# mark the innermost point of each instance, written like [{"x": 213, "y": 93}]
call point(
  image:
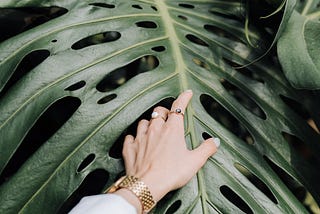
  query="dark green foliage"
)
[{"x": 98, "y": 67}]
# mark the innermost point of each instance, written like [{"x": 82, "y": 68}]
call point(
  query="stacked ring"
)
[
  {"x": 155, "y": 115},
  {"x": 177, "y": 111}
]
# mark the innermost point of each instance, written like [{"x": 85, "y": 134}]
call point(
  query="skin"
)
[{"x": 159, "y": 143}]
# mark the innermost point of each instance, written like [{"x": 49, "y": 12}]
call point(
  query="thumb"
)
[{"x": 205, "y": 150}]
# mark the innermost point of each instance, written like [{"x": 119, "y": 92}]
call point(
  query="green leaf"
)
[
  {"x": 112, "y": 61},
  {"x": 299, "y": 49}
]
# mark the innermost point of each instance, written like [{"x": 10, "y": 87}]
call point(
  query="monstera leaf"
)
[
  {"x": 299, "y": 46},
  {"x": 103, "y": 65}
]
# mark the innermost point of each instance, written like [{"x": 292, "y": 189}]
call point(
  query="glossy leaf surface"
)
[{"x": 111, "y": 61}]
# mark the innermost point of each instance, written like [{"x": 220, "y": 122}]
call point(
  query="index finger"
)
[{"x": 180, "y": 104}]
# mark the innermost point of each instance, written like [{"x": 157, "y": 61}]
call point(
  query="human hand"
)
[{"x": 159, "y": 156}]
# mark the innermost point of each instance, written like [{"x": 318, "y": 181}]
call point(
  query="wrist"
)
[
  {"x": 157, "y": 187},
  {"x": 134, "y": 190}
]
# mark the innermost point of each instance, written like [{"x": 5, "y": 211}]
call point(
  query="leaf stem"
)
[
  {"x": 203, "y": 193},
  {"x": 307, "y": 7},
  {"x": 314, "y": 15},
  {"x": 246, "y": 26},
  {"x": 283, "y": 3}
]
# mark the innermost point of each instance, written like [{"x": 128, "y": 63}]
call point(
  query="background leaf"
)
[
  {"x": 109, "y": 63},
  {"x": 298, "y": 47}
]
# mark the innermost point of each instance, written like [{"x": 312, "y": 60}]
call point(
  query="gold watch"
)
[{"x": 138, "y": 188}]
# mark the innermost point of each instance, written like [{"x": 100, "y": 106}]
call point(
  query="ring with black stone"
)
[{"x": 177, "y": 111}]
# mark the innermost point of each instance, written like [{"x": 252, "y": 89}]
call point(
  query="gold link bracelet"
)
[{"x": 138, "y": 188}]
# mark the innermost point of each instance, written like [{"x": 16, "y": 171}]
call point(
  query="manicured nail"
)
[
  {"x": 188, "y": 91},
  {"x": 216, "y": 141}
]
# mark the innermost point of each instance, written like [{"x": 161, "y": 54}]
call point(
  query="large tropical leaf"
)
[
  {"x": 299, "y": 46},
  {"x": 105, "y": 63}
]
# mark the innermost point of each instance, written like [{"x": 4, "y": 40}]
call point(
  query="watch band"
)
[{"x": 138, "y": 188}]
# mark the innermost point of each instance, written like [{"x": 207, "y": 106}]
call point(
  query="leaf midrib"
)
[{"x": 181, "y": 69}]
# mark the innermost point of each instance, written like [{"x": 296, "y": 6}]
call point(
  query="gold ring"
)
[
  {"x": 156, "y": 115},
  {"x": 177, "y": 111}
]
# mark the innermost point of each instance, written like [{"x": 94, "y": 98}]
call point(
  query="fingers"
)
[
  {"x": 141, "y": 137},
  {"x": 204, "y": 151},
  {"x": 129, "y": 153},
  {"x": 159, "y": 120},
  {"x": 180, "y": 103},
  {"x": 142, "y": 128}
]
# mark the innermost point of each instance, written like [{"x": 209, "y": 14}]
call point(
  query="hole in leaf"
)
[
  {"x": 220, "y": 32},
  {"x": 29, "y": 62},
  {"x": 154, "y": 8},
  {"x": 219, "y": 113},
  {"x": 169, "y": 196},
  {"x": 93, "y": 184},
  {"x": 196, "y": 40},
  {"x": 301, "y": 110},
  {"x": 54, "y": 41},
  {"x": 116, "y": 149},
  {"x": 256, "y": 182},
  {"x": 107, "y": 99},
  {"x": 244, "y": 99},
  {"x": 206, "y": 136},
  {"x": 244, "y": 71},
  {"x": 159, "y": 48},
  {"x": 294, "y": 186},
  {"x": 121, "y": 75},
  {"x": 76, "y": 86},
  {"x": 299, "y": 146},
  {"x": 86, "y": 162},
  {"x": 235, "y": 199},
  {"x": 17, "y": 20},
  {"x": 147, "y": 24},
  {"x": 119, "y": 175},
  {"x": 110, "y": 6},
  {"x": 137, "y": 6},
  {"x": 100, "y": 38},
  {"x": 296, "y": 107},
  {"x": 49, "y": 122},
  {"x": 183, "y": 17},
  {"x": 201, "y": 63},
  {"x": 234, "y": 15},
  {"x": 190, "y": 6},
  {"x": 173, "y": 207}
]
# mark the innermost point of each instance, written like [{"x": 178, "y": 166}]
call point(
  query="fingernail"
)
[
  {"x": 188, "y": 91},
  {"x": 216, "y": 141}
]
